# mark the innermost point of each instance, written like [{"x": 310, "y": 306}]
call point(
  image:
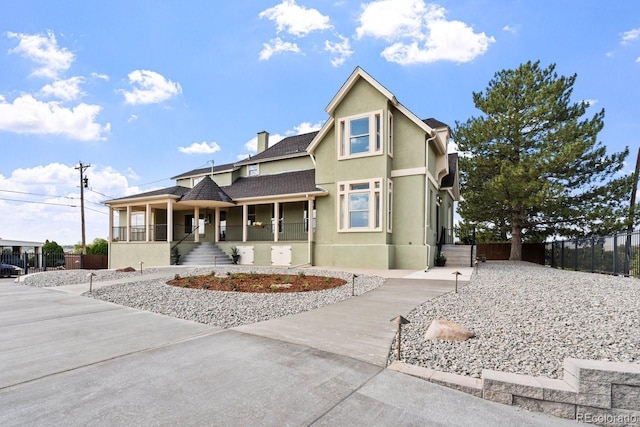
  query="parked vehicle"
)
[{"x": 8, "y": 270}]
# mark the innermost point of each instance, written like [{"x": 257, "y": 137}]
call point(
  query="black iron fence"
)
[
  {"x": 617, "y": 254},
  {"x": 31, "y": 262}
]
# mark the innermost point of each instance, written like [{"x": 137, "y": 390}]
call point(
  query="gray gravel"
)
[
  {"x": 53, "y": 278},
  {"x": 527, "y": 320},
  {"x": 217, "y": 308}
]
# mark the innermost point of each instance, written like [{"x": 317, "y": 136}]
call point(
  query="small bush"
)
[{"x": 176, "y": 277}]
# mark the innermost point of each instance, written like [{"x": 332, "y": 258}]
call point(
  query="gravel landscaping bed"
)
[
  {"x": 527, "y": 320},
  {"x": 53, "y": 278},
  {"x": 217, "y": 308}
]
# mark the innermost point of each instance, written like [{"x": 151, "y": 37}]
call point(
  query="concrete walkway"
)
[{"x": 69, "y": 360}]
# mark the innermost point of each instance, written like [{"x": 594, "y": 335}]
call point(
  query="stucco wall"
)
[{"x": 130, "y": 254}]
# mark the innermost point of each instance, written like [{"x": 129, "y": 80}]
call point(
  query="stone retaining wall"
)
[{"x": 595, "y": 392}]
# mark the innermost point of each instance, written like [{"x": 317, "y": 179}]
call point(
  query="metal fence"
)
[
  {"x": 31, "y": 262},
  {"x": 617, "y": 254}
]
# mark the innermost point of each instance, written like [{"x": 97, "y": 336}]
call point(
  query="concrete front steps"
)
[
  {"x": 458, "y": 255},
  {"x": 206, "y": 253}
]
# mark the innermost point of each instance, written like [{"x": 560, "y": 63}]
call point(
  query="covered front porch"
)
[{"x": 156, "y": 232}]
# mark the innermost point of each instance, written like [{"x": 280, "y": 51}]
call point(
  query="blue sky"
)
[{"x": 145, "y": 90}]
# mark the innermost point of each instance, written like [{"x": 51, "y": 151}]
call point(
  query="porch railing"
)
[
  {"x": 138, "y": 233},
  {"x": 264, "y": 233}
]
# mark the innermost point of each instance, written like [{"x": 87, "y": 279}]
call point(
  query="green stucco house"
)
[{"x": 373, "y": 188}]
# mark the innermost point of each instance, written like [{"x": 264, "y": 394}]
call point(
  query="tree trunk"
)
[{"x": 516, "y": 236}]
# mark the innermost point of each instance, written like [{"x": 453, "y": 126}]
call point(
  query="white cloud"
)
[
  {"x": 200, "y": 148},
  {"x": 100, "y": 76},
  {"x": 341, "y": 50},
  {"x": 150, "y": 87},
  {"x": 302, "y": 128},
  {"x": 54, "y": 195},
  {"x": 132, "y": 118},
  {"x": 66, "y": 90},
  {"x": 629, "y": 36},
  {"x": 277, "y": 46},
  {"x": 296, "y": 20},
  {"x": 510, "y": 29},
  {"x": 305, "y": 127},
  {"x": 44, "y": 51},
  {"x": 591, "y": 102},
  {"x": 419, "y": 33},
  {"x": 27, "y": 115}
]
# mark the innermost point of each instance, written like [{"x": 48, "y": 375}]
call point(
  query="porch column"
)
[
  {"x": 245, "y": 218},
  {"x": 309, "y": 228},
  {"x": 110, "y": 224},
  {"x": 169, "y": 221},
  {"x": 147, "y": 222},
  {"x": 217, "y": 225},
  {"x": 276, "y": 227},
  {"x": 128, "y": 230},
  {"x": 196, "y": 218}
]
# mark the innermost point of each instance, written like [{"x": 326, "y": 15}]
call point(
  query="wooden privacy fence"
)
[{"x": 531, "y": 252}]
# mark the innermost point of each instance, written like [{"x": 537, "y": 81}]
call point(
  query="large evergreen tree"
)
[{"x": 533, "y": 163}]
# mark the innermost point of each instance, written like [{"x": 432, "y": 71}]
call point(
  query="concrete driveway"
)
[{"x": 70, "y": 360}]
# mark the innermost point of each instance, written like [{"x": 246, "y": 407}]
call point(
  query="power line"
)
[
  {"x": 49, "y": 195},
  {"x": 51, "y": 204},
  {"x": 40, "y": 203}
]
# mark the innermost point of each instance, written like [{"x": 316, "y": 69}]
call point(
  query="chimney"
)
[{"x": 263, "y": 141}]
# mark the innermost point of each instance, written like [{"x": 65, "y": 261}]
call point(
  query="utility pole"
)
[{"x": 84, "y": 183}]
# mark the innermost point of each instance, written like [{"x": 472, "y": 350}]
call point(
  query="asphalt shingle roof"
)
[
  {"x": 169, "y": 191},
  {"x": 289, "y": 146},
  {"x": 201, "y": 171},
  {"x": 270, "y": 185},
  {"x": 449, "y": 180},
  {"x": 206, "y": 190},
  {"x": 435, "y": 123}
]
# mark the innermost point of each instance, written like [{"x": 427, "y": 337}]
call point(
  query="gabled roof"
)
[
  {"x": 357, "y": 74},
  {"x": 287, "y": 183},
  {"x": 205, "y": 191},
  {"x": 201, "y": 171},
  {"x": 291, "y": 146}
]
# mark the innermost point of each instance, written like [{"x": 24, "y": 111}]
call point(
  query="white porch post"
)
[
  {"x": 245, "y": 218},
  {"x": 196, "y": 218},
  {"x": 169, "y": 221},
  {"x": 147, "y": 222},
  {"x": 128, "y": 230},
  {"x": 309, "y": 228},
  {"x": 110, "y": 224},
  {"x": 217, "y": 225},
  {"x": 276, "y": 221}
]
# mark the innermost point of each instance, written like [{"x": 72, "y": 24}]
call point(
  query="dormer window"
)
[
  {"x": 360, "y": 135},
  {"x": 252, "y": 170}
]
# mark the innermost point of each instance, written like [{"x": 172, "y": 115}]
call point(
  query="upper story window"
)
[
  {"x": 360, "y": 135},
  {"x": 252, "y": 170},
  {"x": 196, "y": 181},
  {"x": 390, "y": 135}
]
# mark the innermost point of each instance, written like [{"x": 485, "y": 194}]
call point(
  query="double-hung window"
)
[
  {"x": 360, "y": 205},
  {"x": 360, "y": 135}
]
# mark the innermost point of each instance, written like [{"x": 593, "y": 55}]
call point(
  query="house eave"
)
[{"x": 298, "y": 196}]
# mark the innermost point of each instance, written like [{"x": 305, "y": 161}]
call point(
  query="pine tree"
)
[{"x": 533, "y": 163}]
